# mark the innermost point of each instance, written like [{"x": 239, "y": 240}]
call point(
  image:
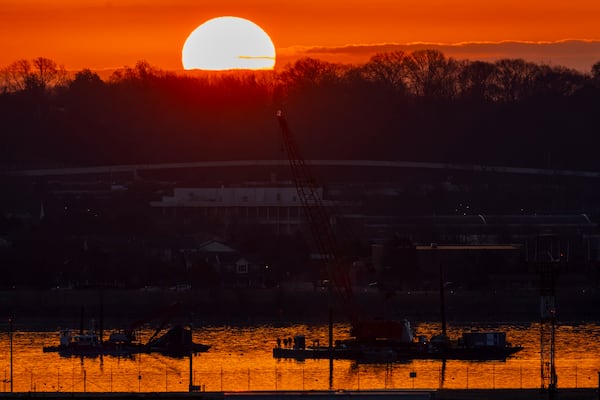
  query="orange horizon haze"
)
[{"x": 100, "y": 34}]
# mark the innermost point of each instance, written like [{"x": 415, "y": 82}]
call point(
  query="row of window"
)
[{"x": 244, "y": 212}]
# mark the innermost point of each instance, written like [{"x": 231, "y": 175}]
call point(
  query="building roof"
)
[
  {"x": 213, "y": 246},
  {"x": 569, "y": 220}
]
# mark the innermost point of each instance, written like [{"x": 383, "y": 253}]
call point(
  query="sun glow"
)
[{"x": 226, "y": 43}]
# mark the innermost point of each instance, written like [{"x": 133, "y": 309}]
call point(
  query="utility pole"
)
[
  {"x": 442, "y": 301},
  {"x": 551, "y": 253},
  {"x": 191, "y": 386},
  {"x": 10, "y": 335},
  {"x": 548, "y": 327}
]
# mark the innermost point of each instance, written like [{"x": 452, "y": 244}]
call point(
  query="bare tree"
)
[
  {"x": 596, "y": 73},
  {"x": 15, "y": 75},
  {"x": 86, "y": 77},
  {"x": 514, "y": 79},
  {"x": 142, "y": 71},
  {"x": 431, "y": 75},
  {"x": 310, "y": 71},
  {"x": 557, "y": 80},
  {"x": 476, "y": 79},
  {"x": 48, "y": 73},
  {"x": 39, "y": 73},
  {"x": 387, "y": 68}
]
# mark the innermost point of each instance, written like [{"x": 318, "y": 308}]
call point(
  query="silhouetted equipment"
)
[
  {"x": 176, "y": 341},
  {"x": 548, "y": 326},
  {"x": 442, "y": 300},
  {"x": 320, "y": 224},
  {"x": 166, "y": 313},
  {"x": 550, "y": 254}
]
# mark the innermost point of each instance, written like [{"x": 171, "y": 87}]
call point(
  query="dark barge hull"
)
[
  {"x": 125, "y": 350},
  {"x": 402, "y": 353}
]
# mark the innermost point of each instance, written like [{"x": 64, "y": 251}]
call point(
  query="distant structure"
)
[
  {"x": 275, "y": 206},
  {"x": 486, "y": 220},
  {"x": 548, "y": 329},
  {"x": 549, "y": 263}
]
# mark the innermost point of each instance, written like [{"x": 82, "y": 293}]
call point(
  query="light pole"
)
[
  {"x": 191, "y": 353},
  {"x": 192, "y": 387},
  {"x": 10, "y": 335}
]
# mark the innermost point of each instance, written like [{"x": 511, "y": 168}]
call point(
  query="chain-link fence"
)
[{"x": 298, "y": 376}]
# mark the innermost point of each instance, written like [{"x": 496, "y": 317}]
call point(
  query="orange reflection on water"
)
[{"x": 241, "y": 358}]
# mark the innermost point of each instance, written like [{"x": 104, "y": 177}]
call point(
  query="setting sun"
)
[{"x": 226, "y": 43}]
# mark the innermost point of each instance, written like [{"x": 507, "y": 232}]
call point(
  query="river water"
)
[{"x": 241, "y": 358}]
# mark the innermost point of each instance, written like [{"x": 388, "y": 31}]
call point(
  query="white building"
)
[{"x": 278, "y": 206}]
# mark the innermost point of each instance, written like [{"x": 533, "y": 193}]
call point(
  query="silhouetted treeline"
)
[{"x": 398, "y": 106}]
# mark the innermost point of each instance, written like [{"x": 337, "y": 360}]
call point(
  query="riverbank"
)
[
  {"x": 515, "y": 394},
  {"x": 492, "y": 394},
  {"x": 284, "y": 305}
]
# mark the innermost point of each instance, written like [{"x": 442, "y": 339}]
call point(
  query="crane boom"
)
[
  {"x": 320, "y": 224},
  {"x": 318, "y": 218},
  {"x": 167, "y": 313}
]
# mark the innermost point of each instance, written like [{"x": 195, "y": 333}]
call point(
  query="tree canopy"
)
[{"x": 398, "y": 106}]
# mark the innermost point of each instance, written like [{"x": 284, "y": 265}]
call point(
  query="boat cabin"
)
[{"x": 67, "y": 339}]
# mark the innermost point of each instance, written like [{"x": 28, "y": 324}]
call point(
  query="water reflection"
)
[{"x": 241, "y": 358}]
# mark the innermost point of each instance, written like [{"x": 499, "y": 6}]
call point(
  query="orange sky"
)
[{"x": 111, "y": 34}]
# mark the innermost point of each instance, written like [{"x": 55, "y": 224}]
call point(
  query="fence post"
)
[{"x": 521, "y": 376}]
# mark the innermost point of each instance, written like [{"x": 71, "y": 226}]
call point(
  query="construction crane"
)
[
  {"x": 167, "y": 315},
  {"x": 320, "y": 223}
]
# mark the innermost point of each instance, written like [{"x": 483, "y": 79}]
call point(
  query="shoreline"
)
[
  {"x": 437, "y": 394},
  {"x": 283, "y": 306}
]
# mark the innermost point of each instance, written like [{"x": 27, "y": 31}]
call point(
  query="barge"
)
[{"x": 477, "y": 346}]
